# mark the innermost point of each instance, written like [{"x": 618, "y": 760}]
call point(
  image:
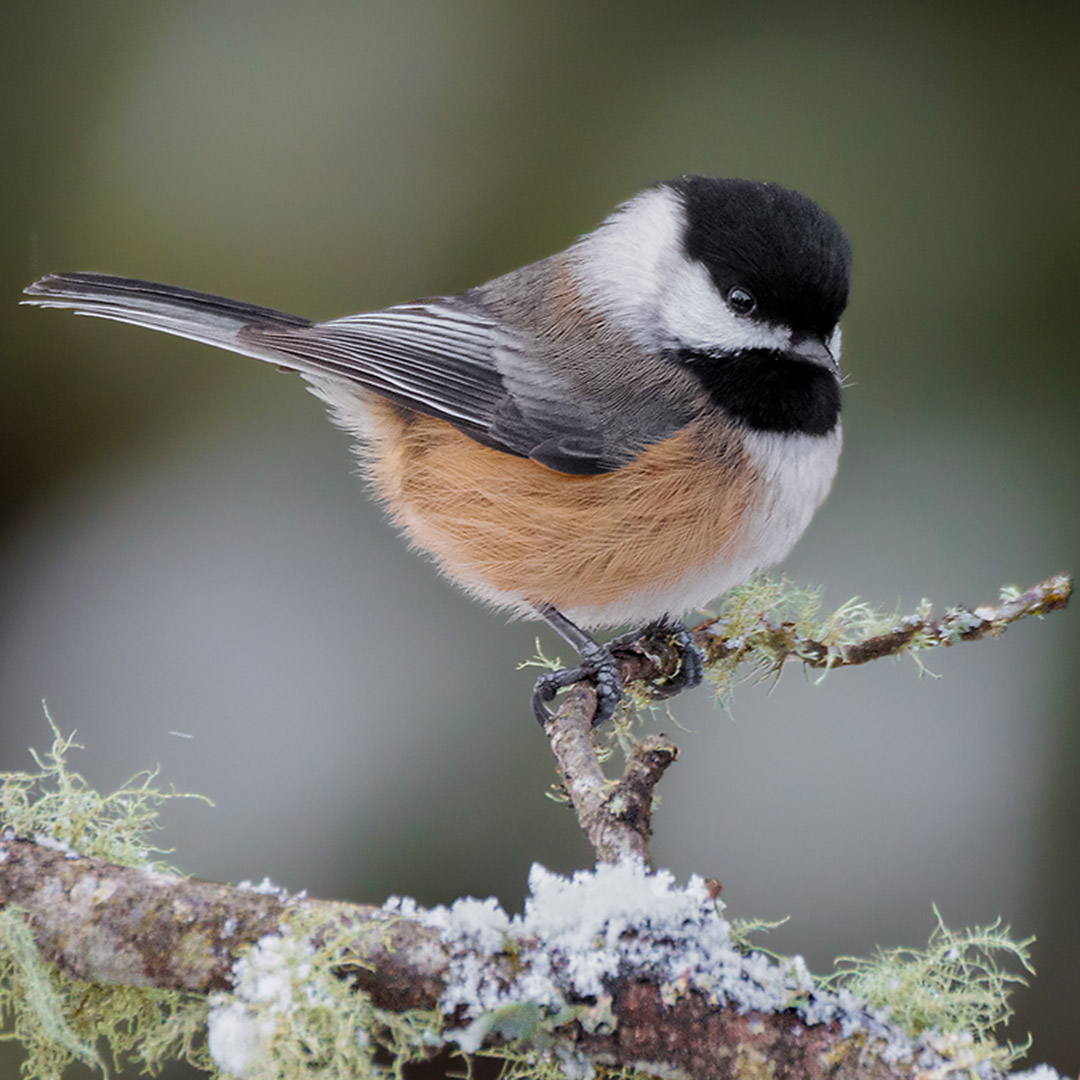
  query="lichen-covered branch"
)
[
  {"x": 615, "y": 967},
  {"x": 911, "y": 633},
  {"x": 773, "y": 640},
  {"x": 615, "y": 816},
  {"x": 100, "y": 922}
]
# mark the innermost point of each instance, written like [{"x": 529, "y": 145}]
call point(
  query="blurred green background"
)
[{"x": 184, "y": 547}]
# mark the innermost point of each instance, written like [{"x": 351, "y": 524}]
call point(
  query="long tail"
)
[{"x": 214, "y": 320}]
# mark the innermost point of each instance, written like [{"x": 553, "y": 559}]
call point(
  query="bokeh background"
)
[{"x": 184, "y": 546}]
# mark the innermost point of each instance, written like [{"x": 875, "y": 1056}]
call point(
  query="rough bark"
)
[
  {"x": 616, "y": 816},
  {"x": 111, "y": 924},
  {"x": 100, "y": 922}
]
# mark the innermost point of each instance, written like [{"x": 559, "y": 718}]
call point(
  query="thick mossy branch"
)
[
  {"x": 90, "y": 948},
  {"x": 101, "y": 922},
  {"x": 615, "y": 968},
  {"x": 105, "y": 956}
]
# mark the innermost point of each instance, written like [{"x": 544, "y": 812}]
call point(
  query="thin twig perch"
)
[{"x": 616, "y": 816}]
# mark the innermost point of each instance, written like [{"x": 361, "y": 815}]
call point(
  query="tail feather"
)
[
  {"x": 213, "y": 320},
  {"x": 415, "y": 356}
]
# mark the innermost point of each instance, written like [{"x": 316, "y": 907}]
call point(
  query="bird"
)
[{"x": 614, "y": 434}]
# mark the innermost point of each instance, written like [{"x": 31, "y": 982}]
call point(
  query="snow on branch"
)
[{"x": 616, "y": 967}]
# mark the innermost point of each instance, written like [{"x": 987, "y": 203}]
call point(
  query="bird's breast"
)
[{"x": 669, "y": 531}]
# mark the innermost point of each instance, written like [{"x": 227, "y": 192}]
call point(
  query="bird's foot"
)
[
  {"x": 598, "y": 666},
  {"x": 676, "y": 633}
]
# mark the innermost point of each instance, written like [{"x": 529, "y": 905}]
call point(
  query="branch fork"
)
[{"x": 616, "y": 816}]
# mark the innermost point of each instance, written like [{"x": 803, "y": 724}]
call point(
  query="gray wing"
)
[{"x": 443, "y": 357}]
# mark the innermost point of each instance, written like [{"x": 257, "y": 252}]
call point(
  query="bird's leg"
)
[{"x": 600, "y": 666}]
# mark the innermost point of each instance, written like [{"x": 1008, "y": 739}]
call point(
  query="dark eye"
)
[{"x": 740, "y": 301}]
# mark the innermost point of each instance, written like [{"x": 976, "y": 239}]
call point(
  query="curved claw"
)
[
  {"x": 600, "y": 668},
  {"x": 691, "y": 659},
  {"x": 544, "y": 690}
]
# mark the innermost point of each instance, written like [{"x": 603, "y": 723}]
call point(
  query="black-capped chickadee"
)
[{"x": 616, "y": 433}]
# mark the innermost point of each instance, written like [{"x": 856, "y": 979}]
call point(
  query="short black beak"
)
[{"x": 813, "y": 347}]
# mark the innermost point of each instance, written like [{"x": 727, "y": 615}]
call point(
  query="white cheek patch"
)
[
  {"x": 634, "y": 270},
  {"x": 621, "y": 264},
  {"x": 694, "y": 316}
]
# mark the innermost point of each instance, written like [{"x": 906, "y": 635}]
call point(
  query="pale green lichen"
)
[
  {"x": 59, "y": 804},
  {"x": 764, "y": 619},
  {"x": 541, "y": 660},
  {"x": 292, "y": 1014},
  {"x": 957, "y": 986},
  {"x": 742, "y": 930},
  {"x": 33, "y": 994},
  {"x": 59, "y": 1021}
]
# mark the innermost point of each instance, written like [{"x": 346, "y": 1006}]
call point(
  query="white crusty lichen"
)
[
  {"x": 288, "y": 1014},
  {"x": 292, "y": 1014}
]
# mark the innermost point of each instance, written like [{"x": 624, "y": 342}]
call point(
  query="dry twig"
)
[{"x": 615, "y": 816}]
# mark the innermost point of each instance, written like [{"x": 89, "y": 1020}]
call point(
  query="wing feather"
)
[{"x": 444, "y": 357}]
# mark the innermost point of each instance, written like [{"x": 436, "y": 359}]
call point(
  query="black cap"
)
[{"x": 778, "y": 245}]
